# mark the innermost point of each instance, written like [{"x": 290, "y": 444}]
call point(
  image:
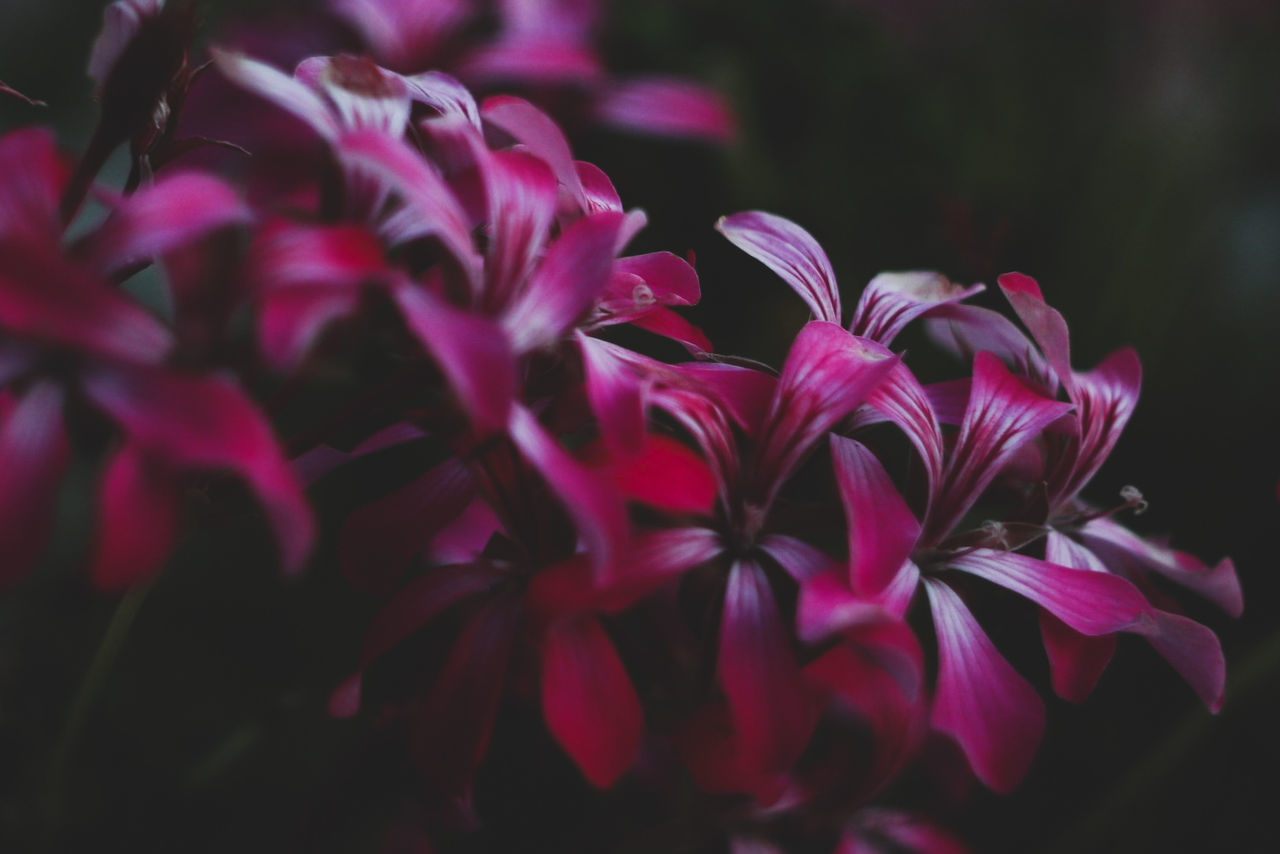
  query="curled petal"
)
[
  {"x": 1046, "y": 325},
  {"x": 902, "y": 400},
  {"x": 529, "y": 125},
  {"x": 1076, "y": 661},
  {"x": 33, "y": 455},
  {"x": 1219, "y": 583},
  {"x": 1105, "y": 399},
  {"x": 981, "y": 701},
  {"x": 792, "y": 253},
  {"x": 966, "y": 330},
  {"x": 587, "y": 698},
  {"x": 443, "y": 93},
  {"x": 892, "y": 300}
]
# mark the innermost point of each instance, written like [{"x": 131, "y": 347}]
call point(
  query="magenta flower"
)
[
  {"x": 980, "y": 701},
  {"x": 71, "y": 336}
]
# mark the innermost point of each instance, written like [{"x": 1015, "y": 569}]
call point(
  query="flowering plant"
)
[{"x": 729, "y": 591}]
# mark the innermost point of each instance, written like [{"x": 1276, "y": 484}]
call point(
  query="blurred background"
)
[{"x": 1124, "y": 153}]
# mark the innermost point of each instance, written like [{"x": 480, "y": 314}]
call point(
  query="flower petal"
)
[
  {"x": 1003, "y": 415},
  {"x": 33, "y": 455},
  {"x": 279, "y": 88},
  {"x": 1192, "y": 649},
  {"x": 771, "y": 712},
  {"x": 966, "y": 330},
  {"x": 1092, "y": 603},
  {"x": 663, "y": 473},
  {"x": 175, "y": 211},
  {"x": 901, "y": 399},
  {"x": 402, "y": 34},
  {"x": 471, "y": 350},
  {"x": 568, "y": 280},
  {"x": 792, "y": 253},
  {"x": 882, "y": 530},
  {"x": 529, "y": 125},
  {"x": 29, "y": 195},
  {"x": 666, "y": 107},
  {"x": 1076, "y": 661},
  {"x": 139, "y": 507},
  {"x": 443, "y": 93},
  {"x": 1114, "y": 542},
  {"x": 981, "y": 701},
  {"x": 587, "y": 698},
  {"x": 1046, "y": 325},
  {"x": 892, "y": 300},
  {"x": 207, "y": 423},
  {"x": 828, "y": 373},
  {"x": 796, "y": 557},
  {"x": 378, "y": 541},
  {"x": 1105, "y": 399},
  {"x": 520, "y": 193}
]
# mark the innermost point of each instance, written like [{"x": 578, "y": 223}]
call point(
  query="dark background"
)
[{"x": 1126, "y": 154}]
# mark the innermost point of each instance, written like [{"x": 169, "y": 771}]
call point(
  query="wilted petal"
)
[
  {"x": 206, "y": 423},
  {"x": 1192, "y": 649},
  {"x": 828, "y": 373},
  {"x": 882, "y": 530},
  {"x": 596, "y": 510},
  {"x": 1003, "y": 415},
  {"x": 1092, "y": 603},
  {"x": 892, "y": 300},
  {"x": 45, "y": 299},
  {"x": 31, "y": 185},
  {"x": 471, "y": 350},
  {"x": 666, "y": 107},
  {"x": 379, "y": 540},
  {"x": 570, "y": 277},
  {"x": 177, "y": 210},
  {"x": 792, "y": 253},
  {"x": 588, "y": 701},
  {"x": 981, "y": 701},
  {"x": 771, "y": 712},
  {"x": 281, "y": 89},
  {"x": 529, "y": 125},
  {"x": 33, "y": 456},
  {"x": 138, "y": 517},
  {"x": 1219, "y": 583}
]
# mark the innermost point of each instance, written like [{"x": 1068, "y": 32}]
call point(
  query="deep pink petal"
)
[
  {"x": 828, "y": 373},
  {"x": 587, "y": 698},
  {"x": 403, "y": 34},
  {"x": 600, "y": 193},
  {"x": 206, "y": 423},
  {"x": 666, "y": 107},
  {"x": 902, "y": 400},
  {"x": 451, "y": 735},
  {"x": 443, "y": 93},
  {"x": 796, "y": 557},
  {"x": 139, "y": 506},
  {"x": 1076, "y": 661},
  {"x": 981, "y": 701},
  {"x": 1105, "y": 399},
  {"x": 362, "y": 94},
  {"x": 665, "y": 474},
  {"x": 1192, "y": 649},
  {"x": 892, "y": 300},
  {"x": 379, "y": 540},
  {"x": 286, "y": 254},
  {"x": 529, "y": 125},
  {"x": 530, "y": 62},
  {"x": 792, "y": 253},
  {"x": 668, "y": 324},
  {"x": 967, "y": 330},
  {"x": 1046, "y": 325},
  {"x": 570, "y": 277},
  {"x": 1219, "y": 583},
  {"x": 744, "y": 393},
  {"x": 175, "y": 211},
  {"x": 45, "y": 299},
  {"x": 29, "y": 195},
  {"x": 639, "y": 284},
  {"x": 597, "y": 511},
  {"x": 1092, "y": 603},
  {"x": 1003, "y": 415},
  {"x": 771, "y": 712},
  {"x": 33, "y": 455},
  {"x": 882, "y": 530},
  {"x": 471, "y": 350},
  {"x": 292, "y": 320},
  {"x": 616, "y": 393}
]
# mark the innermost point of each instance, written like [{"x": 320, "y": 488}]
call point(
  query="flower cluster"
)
[{"x": 753, "y": 581}]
